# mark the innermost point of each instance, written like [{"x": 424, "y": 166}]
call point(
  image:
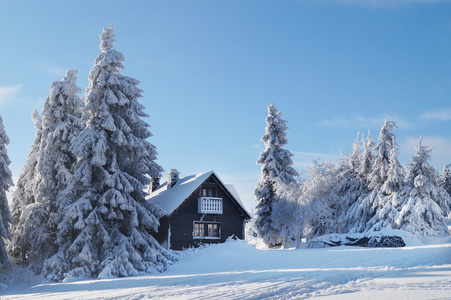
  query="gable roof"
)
[{"x": 170, "y": 199}]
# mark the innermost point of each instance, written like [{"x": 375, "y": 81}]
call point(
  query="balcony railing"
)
[{"x": 210, "y": 205}]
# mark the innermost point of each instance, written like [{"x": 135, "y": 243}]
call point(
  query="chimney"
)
[
  {"x": 154, "y": 184},
  {"x": 173, "y": 176}
]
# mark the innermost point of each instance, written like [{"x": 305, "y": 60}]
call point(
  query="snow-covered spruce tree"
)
[
  {"x": 366, "y": 159},
  {"x": 5, "y": 183},
  {"x": 426, "y": 204},
  {"x": 23, "y": 196},
  {"x": 354, "y": 159},
  {"x": 105, "y": 222},
  {"x": 446, "y": 178},
  {"x": 353, "y": 214},
  {"x": 376, "y": 210},
  {"x": 390, "y": 193},
  {"x": 61, "y": 122},
  {"x": 385, "y": 159},
  {"x": 276, "y": 168},
  {"x": 350, "y": 186}
]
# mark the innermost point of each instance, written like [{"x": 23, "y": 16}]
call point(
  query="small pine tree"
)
[
  {"x": 23, "y": 196},
  {"x": 422, "y": 213},
  {"x": 276, "y": 168},
  {"x": 5, "y": 183},
  {"x": 61, "y": 122},
  {"x": 104, "y": 225}
]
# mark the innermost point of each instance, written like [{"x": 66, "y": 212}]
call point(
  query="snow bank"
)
[{"x": 400, "y": 238}]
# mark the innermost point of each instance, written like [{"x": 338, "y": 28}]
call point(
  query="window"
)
[
  {"x": 207, "y": 230},
  {"x": 213, "y": 230},
  {"x": 208, "y": 192},
  {"x": 198, "y": 229}
]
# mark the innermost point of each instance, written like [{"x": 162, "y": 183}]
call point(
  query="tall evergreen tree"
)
[
  {"x": 446, "y": 178},
  {"x": 385, "y": 158},
  {"x": 104, "y": 225},
  {"x": 24, "y": 195},
  {"x": 375, "y": 210},
  {"x": 350, "y": 185},
  {"x": 422, "y": 213},
  {"x": 387, "y": 182},
  {"x": 367, "y": 159},
  {"x": 61, "y": 122},
  {"x": 276, "y": 168},
  {"x": 358, "y": 213},
  {"x": 5, "y": 183},
  {"x": 355, "y": 162}
]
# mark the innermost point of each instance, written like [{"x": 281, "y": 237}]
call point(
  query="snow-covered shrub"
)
[
  {"x": 319, "y": 200},
  {"x": 287, "y": 214}
]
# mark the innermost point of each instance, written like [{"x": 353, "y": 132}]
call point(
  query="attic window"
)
[{"x": 208, "y": 192}]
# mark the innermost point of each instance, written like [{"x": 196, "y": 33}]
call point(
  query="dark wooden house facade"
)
[{"x": 199, "y": 209}]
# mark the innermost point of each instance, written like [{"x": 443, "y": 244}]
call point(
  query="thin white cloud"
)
[
  {"x": 8, "y": 93},
  {"x": 360, "y": 122},
  {"x": 51, "y": 69},
  {"x": 258, "y": 146},
  {"x": 437, "y": 115}
]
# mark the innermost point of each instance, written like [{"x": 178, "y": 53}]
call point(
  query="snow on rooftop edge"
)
[{"x": 170, "y": 199}]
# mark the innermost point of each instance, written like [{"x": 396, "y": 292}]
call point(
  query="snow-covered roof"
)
[{"x": 170, "y": 199}]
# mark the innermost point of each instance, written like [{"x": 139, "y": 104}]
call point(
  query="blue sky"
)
[{"x": 209, "y": 69}]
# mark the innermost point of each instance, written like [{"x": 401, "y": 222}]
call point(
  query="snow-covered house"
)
[{"x": 199, "y": 209}]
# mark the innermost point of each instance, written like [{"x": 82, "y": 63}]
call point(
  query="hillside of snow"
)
[{"x": 239, "y": 270}]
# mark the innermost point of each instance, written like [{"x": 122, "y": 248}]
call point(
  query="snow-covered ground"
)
[{"x": 238, "y": 270}]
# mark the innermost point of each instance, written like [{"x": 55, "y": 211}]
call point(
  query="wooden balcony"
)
[{"x": 210, "y": 205}]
